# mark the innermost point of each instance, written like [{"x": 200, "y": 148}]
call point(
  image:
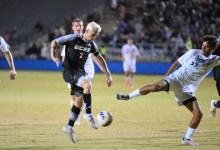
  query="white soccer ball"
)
[{"x": 104, "y": 118}]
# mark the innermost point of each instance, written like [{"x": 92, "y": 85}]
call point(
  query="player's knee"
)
[
  {"x": 87, "y": 86},
  {"x": 198, "y": 114},
  {"x": 158, "y": 87},
  {"x": 79, "y": 102}
]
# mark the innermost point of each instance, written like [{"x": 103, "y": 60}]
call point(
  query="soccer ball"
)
[{"x": 104, "y": 118}]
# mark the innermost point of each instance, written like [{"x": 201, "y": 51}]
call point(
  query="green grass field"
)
[{"x": 35, "y": 107}]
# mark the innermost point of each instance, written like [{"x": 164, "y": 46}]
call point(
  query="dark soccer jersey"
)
[{"x": 77, "y": 51}]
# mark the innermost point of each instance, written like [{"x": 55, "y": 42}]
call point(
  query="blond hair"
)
[{"x": 94, "y": 27}]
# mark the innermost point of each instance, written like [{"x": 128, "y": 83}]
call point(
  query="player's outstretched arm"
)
[
  {"x": 10, "y": 60},
  {"x": 105, "y": 70},
  {"x": 52, "y": 51},
  {"x": 172, "y": 68}
]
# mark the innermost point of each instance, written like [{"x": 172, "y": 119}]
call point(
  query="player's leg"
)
[
  {"x": 74, "y": 113},
  {"x": 132, "y": 72},
  {"x": 126, "y": 73},
  {"x": 69, "y": 76},
  {"x": 85, "y": 84},
  {"x": 162, "y": 85},
  {"x": 68, "y": 129},
  {"x": 214, "y": 104},
  {"x": 79, "y": 103},
  {"x": 130, "y": 79},
  {"x": 193, "y": 106},
  {"x": 218, "y": 86}
]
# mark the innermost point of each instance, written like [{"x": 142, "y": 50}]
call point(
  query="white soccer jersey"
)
[
  {"x": 195, "y": 67},
  {"x": 89, "y": 65},
  {"x": 130, "y": 52},
  {"x": 3, "y": 45}
]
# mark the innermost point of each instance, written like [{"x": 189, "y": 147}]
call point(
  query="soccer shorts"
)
[
  {"x": 182, "y": 91},
  {"x": 129, "y": 67}
]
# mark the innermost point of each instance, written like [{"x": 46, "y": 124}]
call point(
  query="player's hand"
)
[
  {"x": 109, "y": 81},
  {"x": 12, "y": 74},
  {"x": 57, "y": 61}
]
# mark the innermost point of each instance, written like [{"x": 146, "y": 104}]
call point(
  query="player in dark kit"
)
[
  {"x": 216, "y": 103},
  {"x": 77, "y": 50}
]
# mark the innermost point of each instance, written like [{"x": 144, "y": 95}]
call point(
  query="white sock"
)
[
  {"x": 130, "y": 80},
  {"x": 88, "y": 115},
  {"x": 189, "y": 133},
  {"x": 134, "y": 93},
  {"x": 69, "y": 127},
  {"x": 126, "y": 79}
]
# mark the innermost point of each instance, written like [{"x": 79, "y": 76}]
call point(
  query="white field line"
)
[{"x": 111, "y": 133}]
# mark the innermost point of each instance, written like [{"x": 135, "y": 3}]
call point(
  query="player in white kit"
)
[
  {"x": 196, "y": 65},
  {"x": 77, "y": 27},
  {"x": 4, "y": 47},
  {"x": 129, "y": 54}
]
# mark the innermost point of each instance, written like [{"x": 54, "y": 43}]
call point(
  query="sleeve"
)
[
  {"x": 3, "y": 45},
  {"x": 186, "y": 56},
  {"x": 64, "y": 40},
  {"x": 95, "y": 49}
]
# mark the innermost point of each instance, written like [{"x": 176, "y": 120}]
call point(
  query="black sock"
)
[
  {"x": 218, "y": 86},
  {"x": 88, "y": 102},
  {"x": 73, "y": 115},
  {"x": 217, "y": 105}
]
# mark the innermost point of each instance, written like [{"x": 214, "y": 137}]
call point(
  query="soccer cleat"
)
[
  {"x": 91, "y": 121},
  {"x": 122, "y": 97},
  {"x": 69, "y": 133},
  {"x": 189, "y": 142},
  {"x": 213, "y": 108}
]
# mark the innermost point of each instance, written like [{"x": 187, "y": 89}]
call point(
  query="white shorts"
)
[
  {"x": 129, "y": 67},
  {"x": 182, "y": 91}
]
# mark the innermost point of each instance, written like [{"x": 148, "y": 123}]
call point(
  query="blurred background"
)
[{"x": 162, "y": 29}]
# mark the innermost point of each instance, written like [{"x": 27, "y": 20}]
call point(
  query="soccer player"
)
[
  {"x": 196, "y": 65},
  {"x": 5, "y": 49},
  {"x": 129, "y": 54},
  {"x": 77, "y": 27},
  {"x": 78, "y": 48},
  {"x": 216, "y": 70}
]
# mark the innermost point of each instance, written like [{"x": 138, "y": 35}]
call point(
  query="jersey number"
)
[
  {"x": 81, "y": 55},
  {"x": 194, "y": 64}
]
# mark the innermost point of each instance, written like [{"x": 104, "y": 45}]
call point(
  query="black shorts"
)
[
  {"x": 76, "y": 90},
  {"x": 72, "y": 77}
]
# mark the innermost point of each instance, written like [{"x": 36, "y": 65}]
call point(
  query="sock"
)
[
  {"x": 126, "y": 79},
  {"x": 189, "y": 133},
  {"x": 218, "y": 86},
  {"x": 134, "y": 93},
  {"x": 217, "y": 104},
  {"x": 73, "y": 116},
  {"x": 88, "y": 102},
  {"x": 80, "y": 113},
  {"x": 131, "y": 81}
]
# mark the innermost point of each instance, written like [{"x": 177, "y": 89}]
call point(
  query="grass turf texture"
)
[{"x": 35, "y": 107}]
